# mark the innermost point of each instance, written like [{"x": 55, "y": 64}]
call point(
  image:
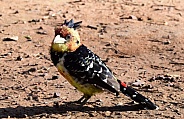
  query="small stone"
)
[
  {"x": 19, "y": 58},
  {"x": 16, "y": 12},
  {"x": 45, "y": 17},
  {"x": 11, "y": 38},
  {"x": 99, "y": 102},
  {"x": 132, "y": 17},
  {"x": 149, "y": 18},
  {"x": 166, "y": 42},
  {"x": 30, "y": 98},
  {"x": 166, "y": 23},
  {"x": 28, "y": 38},
  {"x": 64, "y": 97},
  {"x": 119, "y": 104},
  {"x": 107, "y": 113},
  {"x": 176, "y": 85},
  {"x": 2, "y": 31},
  {"x": 108, "y": 44},
  {"x": 140, "y": 19},
  {"x": 55, "y": 77},
  {"x": 119, "y": 34},
  {"x": 34, "y": 20},
  {"x": 56, "y": 95},
  {"x": 138, "y": 83},
  {"x": 42, "y": 32},
  {"x": 32, "y": 70}
]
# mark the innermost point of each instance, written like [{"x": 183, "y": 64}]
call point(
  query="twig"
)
[
  {"x": 92, "y": 27},
  {"x": 177, "y": 63}
]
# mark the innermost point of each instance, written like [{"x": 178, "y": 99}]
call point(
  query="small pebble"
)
[
  {"x": 19, "y": 58},
  {"x": 16, "y": 12},
  {"x": 56, "y": 95},
  {"x": 107, "y": 113},
  {"x": 32, "y": 70},
  {"x": 133, "y": 17},
  {"x": 138, "y": 83},
  {"x": 55, "y": 77},
  {"x": 42, "y": 32},
  {"x": 166, "y": 42},
  {"x": 28, "y": 38},
  {"x": 34, "y": 20},
  {"x": 30, "y": 98},
  {"x": 119, "y": 104},
  {"x": 11, "y": 38}
]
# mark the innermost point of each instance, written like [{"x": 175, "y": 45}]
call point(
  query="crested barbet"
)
[{"x": 85, "y": 70}]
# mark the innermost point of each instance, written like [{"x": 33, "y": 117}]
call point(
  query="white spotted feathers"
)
[
  {"x": 84, "y": 69},
  {"x": 87, "y": 67}
]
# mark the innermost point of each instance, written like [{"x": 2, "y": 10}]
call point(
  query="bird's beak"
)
[{"x": 58, "y": 39}]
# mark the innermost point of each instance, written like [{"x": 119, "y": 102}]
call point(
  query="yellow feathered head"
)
[{"x": 66, "y": 37}]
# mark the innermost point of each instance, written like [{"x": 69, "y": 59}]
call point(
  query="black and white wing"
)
[{"x": 87, "y": 67}]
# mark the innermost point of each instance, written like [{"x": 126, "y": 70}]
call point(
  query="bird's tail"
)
[{"x": 134, "y": 95}]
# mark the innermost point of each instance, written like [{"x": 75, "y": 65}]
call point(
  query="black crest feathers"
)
[{"x": 71, "y": 24}]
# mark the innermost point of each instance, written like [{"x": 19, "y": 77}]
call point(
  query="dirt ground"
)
[{"x": 140, "y": 40}]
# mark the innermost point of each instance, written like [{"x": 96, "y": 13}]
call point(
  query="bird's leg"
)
[
  {"x": 83, "y": 99},
  {"x": 80, "y": 100}
]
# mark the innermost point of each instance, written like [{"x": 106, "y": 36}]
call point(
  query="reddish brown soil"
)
[{"x": 139, "y": 39}]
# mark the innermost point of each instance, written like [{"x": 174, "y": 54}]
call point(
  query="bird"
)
[{"x": 85, "y": 70}]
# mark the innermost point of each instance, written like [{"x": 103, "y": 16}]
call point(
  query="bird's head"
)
[{"x": 66, "y": 37}]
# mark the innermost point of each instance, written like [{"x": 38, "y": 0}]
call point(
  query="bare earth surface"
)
[{"x": 140, "y": 40}]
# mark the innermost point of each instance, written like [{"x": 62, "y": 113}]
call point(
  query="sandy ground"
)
[{"x": 139, "y": 40}]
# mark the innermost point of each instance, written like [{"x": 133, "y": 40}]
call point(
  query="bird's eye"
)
[
  {"x": 77, "y": 42},
  {"x": 68, "y": 37}
]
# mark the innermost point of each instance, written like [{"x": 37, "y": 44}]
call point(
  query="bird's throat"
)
[{"x": 59, "y": 48}]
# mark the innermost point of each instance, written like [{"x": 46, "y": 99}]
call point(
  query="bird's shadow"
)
[{"x": 22, "y": 112}]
